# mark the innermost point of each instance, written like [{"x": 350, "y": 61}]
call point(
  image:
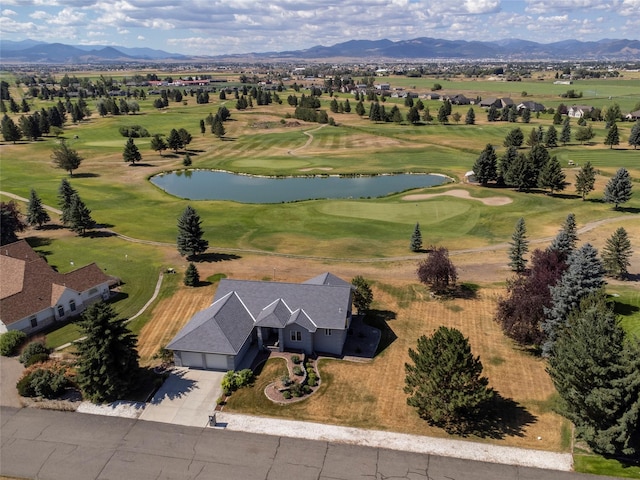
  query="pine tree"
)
[
  {"x": 557, "y": 117},
  {"x": 552, "y": 176},
  {"x": 505, "y": 163},
  {"x": 583, "y": 276},
  {"x": 217, "y": 128},
  {"x": 158, "y": 144},
  {"x": 526, "y": 115},
  {"x": 486, "y": 166},
  {"x": 585, "y": 180},
  {"x": 519, "y": 246},
  {"x": 79, "y": 216},
  {"x": 444, "y": 381},
  {"x": 595, "y": 371},
  {"x": 190, "y": 241},
  {"x": 174, "y": 142},
  {"x": 613, "y": 136},
  {"x": 570, "y": 228},
  {"x": 65, "y": 194},
  {"x": 186, "y": 161},
  {"x": 442, "y": 114},
  {"x": 36, "y": 214},
  {"x": 565, "y": 133},
  {"x": 131, "y": 154},
  {"x": 634, "y": 136},
  {"x": 521, "y": 173},
  {"x": 470, "y": 118},
  {"x": 514, "y": 138},
  {"x": 10, "y": 131},
  {"x": 191, "y": 276},
  {"x": 107, "y": 363},
  {"x": 617, "y": 253},
  {"x": 618, "y": 189},
  {"x": 416, "y": 239}
]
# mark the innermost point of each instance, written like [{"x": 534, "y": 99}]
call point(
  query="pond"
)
[{"x": 216, "y": 185}]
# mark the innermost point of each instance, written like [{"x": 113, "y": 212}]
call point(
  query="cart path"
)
[
  {"x": 309, "y": 134},
  {"x": 488, "y": 248}
]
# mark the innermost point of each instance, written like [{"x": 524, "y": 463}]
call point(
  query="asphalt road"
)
[{"x": 44, "y": 444}]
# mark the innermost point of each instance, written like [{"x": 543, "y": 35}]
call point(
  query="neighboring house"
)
[
  {"x": 310, "y": 317},
  {"x": 33, "y": 295},
  {"x": 532, "y": 106},
  {"x": 497, "y": 102},
  {"x": 633, "y": 115},
  {"x": 457, "y": 99},
  {"x": 579, "y": 111},
  {"x": 432, "y": 96},
  {"x": 470, "y": 177}
]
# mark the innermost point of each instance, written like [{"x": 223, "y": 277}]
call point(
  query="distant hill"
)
[{"x": 424, "y": 48}]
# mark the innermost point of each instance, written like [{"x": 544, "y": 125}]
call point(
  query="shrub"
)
[
  {"x": 297, "y": 370},
  {"x": 37, "y": 358},
  {"x": 24, "y": 386},
  {"x": 134, "y": 131},
  {"x": 295, "y": 359},
  {"x": 286, "y": 381},
  {"x": 312, "y": 380},
  {"x": 10, "y": 341},
  {"x": 244, "y": 377},
  {"x": 45, "y": 381},
  {"x": 229, "y": 382},
  {"x": 33, "y": 348},
  {"x": 307, "y": 389},
  {"x": 286, "y": 394},
  {"x": 296, "y": 390}
]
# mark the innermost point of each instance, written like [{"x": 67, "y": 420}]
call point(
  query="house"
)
[
  {"x": 532, "y": 106},
  {"x": 633, "y": 115},
  {"x": 432, "y": 96},
  {"x": 579, "y": 111},
  {"x": 457, "y": 99},
  {"x": 309, "y": 317},
  {"x": 33, "y": 295},
  {"x": 497, "y": 102}
]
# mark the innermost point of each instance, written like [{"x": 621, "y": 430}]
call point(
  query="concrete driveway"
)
[{"x": 187, "y": 397}]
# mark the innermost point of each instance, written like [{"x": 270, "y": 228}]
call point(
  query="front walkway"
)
[{"x": 396, "y": 441}]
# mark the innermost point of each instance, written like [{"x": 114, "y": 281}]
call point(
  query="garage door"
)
[
  {"x": 216, "y": 362},
  {"x": 192, "y": 359}
]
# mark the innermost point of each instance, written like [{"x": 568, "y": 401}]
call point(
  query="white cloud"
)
[
  {"x": 547, "y": 6},
  {"x": 630, "y": 8},
  {"x": 8, "y": 13}
]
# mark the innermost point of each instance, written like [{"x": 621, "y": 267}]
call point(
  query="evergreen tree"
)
[
  {"x": 533, "y": 138},
  {"x": 557, "y": 117},
  {"x": 526, "y": 115},
  {"x": 131, "y": 154},
  {"x": 36, "y": 214},
  {"x": 191, "y": 276},
  {"x": 519, "y": 246},
  {"x": 551, "y": 137},
  {"x": 65, "y": 193},
  {"x": 565, "y": 133},
  {"x": 514, "y": 138},
  {"x": 442, "y": 114},
  {"x": 616, "y": 254},
  {"x": 426, "y": 115},
  {"x": 493, "y": 114},
  {"x": 413, "y": 116},
  {"x": 65, "y": 157},
  {"x": 521, "y": 173},
  {"x": 190, "y": 241},
  {"x": 174, "y": 142},
  {"x": 567, "y": 239},
  {"x": 613, "y": 136},
  {"x": 584, "y": 134},
  {"x": 416, "y": 239},
  {"x": 486, "y": 166},
  {"x": 444, "y": 381},
  {"x": 470, "y": 118},
  {"x": 158, "y": 144},
  {"x": 107, "y": 362},
  {"x": 585, "y": 180},
  {"x": 583, "y": 276},
  {"x": 634, "y": 136},
  {"x": 186, "y": 161},
  {"x": 10, "y": 222},
  {"x": 360, "y": 110},
  {"x": 596, "y": 372},
  {"x": 362, "y": 295},
  {"x": 552, "y": 176},
  {"x": 79, "y": 216},
  {"x": 217, "y": 128},
  {"x": 505, "y": 163},
  {"x": 618, "y": 189},
  {"x": 10, "y": 131}
]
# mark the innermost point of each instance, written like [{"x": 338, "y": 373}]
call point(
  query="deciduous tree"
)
[
  {"x": 65, "y": 157},
  {"x": 438, "y": 271},
  {"x": 444, "y": 381},
  {"x": 107, "y": 361}
]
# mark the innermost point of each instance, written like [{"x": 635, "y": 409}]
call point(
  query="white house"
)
[
  {"x": 579, "y": 111},
  {"x": 33, "y": 295}
]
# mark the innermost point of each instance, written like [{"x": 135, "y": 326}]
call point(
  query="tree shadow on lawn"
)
[
  {"x": 505, "y": 418},
  {"x": 35, "y": 242},
  {"x": 214, "y": 257},
  {"x": 624, "y": 309},
  {"x": 85, "y": 175},
  {"x": 379, "y": 319}
]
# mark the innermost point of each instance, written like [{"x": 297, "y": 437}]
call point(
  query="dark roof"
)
[
  {"x": 29, "y": 285},
  {"x": 222, "y": 328}
]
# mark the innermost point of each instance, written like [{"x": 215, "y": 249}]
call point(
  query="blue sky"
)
[{"x": 215, "y": 27}]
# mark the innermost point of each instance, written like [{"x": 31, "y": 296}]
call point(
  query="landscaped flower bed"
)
[{"x": 303, "y": 379}]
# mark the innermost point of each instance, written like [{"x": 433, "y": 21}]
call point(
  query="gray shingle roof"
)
[
  {"x": 221, "y": 328},
  {"x": 275, "y": 315}
]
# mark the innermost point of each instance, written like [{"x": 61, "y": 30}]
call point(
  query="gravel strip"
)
[
  {"x": 120, "y": 408},
  {"x": 397, "y": 441}
]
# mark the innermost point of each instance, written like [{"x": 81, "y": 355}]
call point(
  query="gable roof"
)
[
  {"x": 325, "y": 301},
  {"x": 222, "y": 328},
  {"x": 29, "y": 285}
]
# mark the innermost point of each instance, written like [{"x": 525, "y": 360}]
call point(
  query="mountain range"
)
[{"x": 424, "y": 48}]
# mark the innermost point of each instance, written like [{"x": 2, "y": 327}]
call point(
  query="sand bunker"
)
[
  {"x": 326, "y": 169},
  {"x": 491, "y": 201}
]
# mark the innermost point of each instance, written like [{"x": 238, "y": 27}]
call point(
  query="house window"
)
[
  {"x": 34, "y": 322},
  {"x": 296, "y": 336},
  {"x": 92, "y": 291},
  {"x": 72, "y": 305},
  {"x": 327, "y": 332},
  {"x": 60, "y": 311}
]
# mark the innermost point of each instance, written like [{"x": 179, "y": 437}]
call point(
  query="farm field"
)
[{"x": 349, "y": 237}]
